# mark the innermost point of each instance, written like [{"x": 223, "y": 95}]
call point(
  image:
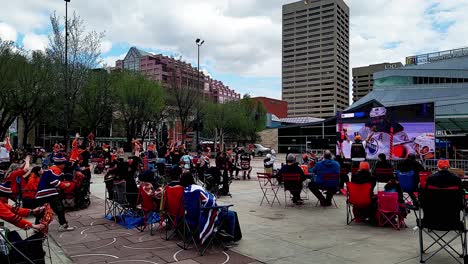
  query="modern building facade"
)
[
  {"x": 315, "y": 57},
  {"x": 363, "y": 78},
  {"x": 166, "y": 70},
  {"x": 440, "y": 77}
]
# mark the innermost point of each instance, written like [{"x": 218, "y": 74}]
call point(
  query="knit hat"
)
[
  {"x": 364, "y": 165},
  {"x": 5, "y": 190},
  {"x": 443, "y": 164},
  {"x": 59, "y": 159}
]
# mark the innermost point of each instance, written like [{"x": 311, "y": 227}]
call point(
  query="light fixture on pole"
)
[{"x": 199, "y": 43}]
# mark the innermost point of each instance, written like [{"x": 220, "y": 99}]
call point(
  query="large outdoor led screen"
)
[{"x": 395, "y": 131}]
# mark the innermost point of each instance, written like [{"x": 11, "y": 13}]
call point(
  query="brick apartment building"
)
[{"x": 161, "y": 68}]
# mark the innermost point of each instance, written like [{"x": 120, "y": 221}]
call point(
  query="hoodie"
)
[{"x": 326, "y": 166}]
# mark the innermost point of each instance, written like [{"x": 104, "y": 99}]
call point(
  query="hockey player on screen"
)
[{"x": 379, "y": 131}]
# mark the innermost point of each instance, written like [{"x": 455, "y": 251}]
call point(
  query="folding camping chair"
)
[
  {"x": 149, "y": 208},
  {"x": 388, "y": 210},
  {"x": 328, "y": 182},
  {"x": 122, "y": 207},
  {"x": 407, "y": 184},
  {"x": 201, "y": 224},
  {"x": 172, "y": 211},
  {"x": 268, "y": 183},
  {"x": 358, "y": 196},
  {"x": 109, "y": 204},
  {"x": 383, "y": 175},
  {"x": 442, "y": 212},
  {"x": 291, "y": 182}
]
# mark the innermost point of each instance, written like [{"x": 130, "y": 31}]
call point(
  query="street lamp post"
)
[
  {"x": 199, "y": 43},
  {"x": 66, "y": 73}
]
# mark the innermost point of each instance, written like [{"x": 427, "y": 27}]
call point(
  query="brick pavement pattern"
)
[{"x": 98, "y": 240}]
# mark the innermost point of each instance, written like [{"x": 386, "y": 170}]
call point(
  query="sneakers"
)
[
  {"x": 230, "y": 244},
  {"x": 65, "y": 227}
]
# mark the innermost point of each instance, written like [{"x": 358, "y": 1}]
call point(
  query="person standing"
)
[
  {"x": 245, "y": 159},
  {"x": 47, "y": 191}
]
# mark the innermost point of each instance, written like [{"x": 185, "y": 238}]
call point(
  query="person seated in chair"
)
[
  {"x": 295, "y": 188},
  {"x": 364, "y": 175},
  {"x": 411, "y": 164},
  {"x": 361, "y": 177},
  {"x": 150, "y": 196},
  {"x": 326, "y": 166},
  {"x": 209, "y": 200},
  {"x": 14, "y": 215},
  {"x": 443, "y": 178}
]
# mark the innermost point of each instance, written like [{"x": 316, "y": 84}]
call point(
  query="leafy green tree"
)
[
  {"x": 34, "y": 89},
  {"x": 9, "y": 61},
  {"x": 221, "y": 120},
  {"x": 140, "y": 102},
  {"x": 83, "y": 55},
  {"x": 253, "y": 121},
  {"x": 95, "y": 102}
]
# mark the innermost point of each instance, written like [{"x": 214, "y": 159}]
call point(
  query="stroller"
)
[
  {"x": 82, "y": 192},
  {"x": 212, "y": 180}
]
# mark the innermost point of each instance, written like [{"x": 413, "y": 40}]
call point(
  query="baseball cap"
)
[
  {"x": 291, "y": 157},
  {"x": 443, "y": 164}
]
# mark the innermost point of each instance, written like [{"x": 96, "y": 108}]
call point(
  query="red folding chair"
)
[
  {"x": 329, "y": 181},
  {"x": 290, "y": 181},
  {"x": 389, "y": 210},
  {"x": 268, "y": 183},
  {"x": 150, "y": 207},
  {"x": 172, "y": 211},
  {"x": 423, "y": 175},
  {"x": 358, "y": 197}
]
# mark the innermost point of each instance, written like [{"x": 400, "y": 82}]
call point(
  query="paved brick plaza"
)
[{"x": 98, "y": 240}]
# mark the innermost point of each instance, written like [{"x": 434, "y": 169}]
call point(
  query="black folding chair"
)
[{"x": 440, "y": 214}]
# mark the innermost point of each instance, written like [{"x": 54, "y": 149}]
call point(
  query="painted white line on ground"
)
[
  {"x": 87, "y": 255},
  {"x": 108, "y": 244},
  {"x": 133, "y": 261},
  {"x": 227, "y": 258},
  {"x": 142, "y": 248},
  {"x": 175, "y": 255}
]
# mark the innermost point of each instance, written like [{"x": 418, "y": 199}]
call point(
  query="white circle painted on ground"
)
[
  {"x": 133, "y": 261},
  {"x": 224, "y": 252},
  {"x": 98, "y": 255}
]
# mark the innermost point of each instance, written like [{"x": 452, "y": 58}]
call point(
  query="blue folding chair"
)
[
  {"x": 201, "y": 223},
  {"x": 407, "y": 184}
]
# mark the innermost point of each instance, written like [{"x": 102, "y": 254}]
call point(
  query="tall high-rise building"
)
[
  {"x": 363, "y": 78},
  {"x": 316, "y": 57}
]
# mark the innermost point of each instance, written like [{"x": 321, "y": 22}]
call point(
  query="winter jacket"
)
[
  {"x": 49, "y": 183},
  {"x": 14, "y": 215}
]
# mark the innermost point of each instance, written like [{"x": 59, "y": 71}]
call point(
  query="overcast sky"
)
[{"x": 243, "y": 37}]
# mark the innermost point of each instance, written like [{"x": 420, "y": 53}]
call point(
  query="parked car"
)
[{"x": 260, "y": 150}]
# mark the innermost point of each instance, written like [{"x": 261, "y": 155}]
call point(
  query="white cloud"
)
[
  {"x": 106, "y": 46},
  {"x": 109, "y": 61},
  {"x": 243, "y": 37},
  {"x": 7, "y": 32},
  {"x": 33, "y": 41}
]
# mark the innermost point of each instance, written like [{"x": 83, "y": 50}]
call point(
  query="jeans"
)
[
  {"x": 230, "y": 219},
  {"x": 315, "y": 189},
  {"x": 57, "y": 207}
]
